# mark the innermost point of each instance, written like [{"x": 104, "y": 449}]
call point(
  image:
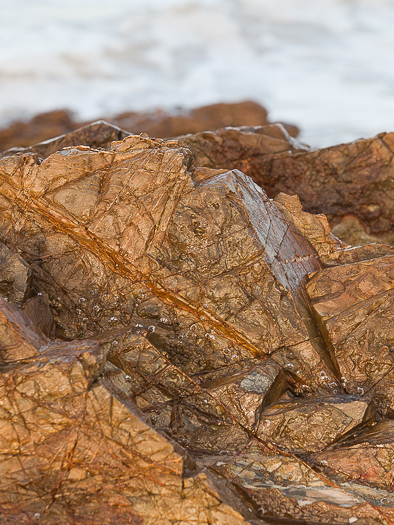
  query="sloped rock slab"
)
[
  {"x": 282, "y": 486},
  {"x": 354, "y": 305},
  {"x": 99, "y": 134}
]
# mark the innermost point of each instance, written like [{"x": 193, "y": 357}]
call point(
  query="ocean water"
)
[{"x": 326, "y": 65}]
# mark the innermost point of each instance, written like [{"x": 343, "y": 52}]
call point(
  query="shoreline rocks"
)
[
  {"x": 157, "y": 123},
  {"x": 177, "y": 346}
]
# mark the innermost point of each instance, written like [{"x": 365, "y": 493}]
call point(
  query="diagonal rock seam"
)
[{"x": 120, "y": 264}]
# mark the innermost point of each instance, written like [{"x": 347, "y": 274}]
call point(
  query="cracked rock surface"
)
[
  {"x": 350, "y": 183},
  {"x": 176, "y": 347}
]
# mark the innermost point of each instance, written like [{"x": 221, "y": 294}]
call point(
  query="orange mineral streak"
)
[{"x": 122, "y": 266}]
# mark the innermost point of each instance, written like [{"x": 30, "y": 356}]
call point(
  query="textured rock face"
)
[
  {"x": 176, "y": 347},
  {"x": 213, "y": 264},
  {"x": 350, "y": 183},
  {"x": 71, "y": 451},
  {"x": 354, "y": 305}
]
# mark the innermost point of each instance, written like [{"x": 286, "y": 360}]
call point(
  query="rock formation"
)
[
  {"x": 158, "y": 123},
  {"x": 350, "y": 183},
  {"x": 177, "y": 347}
]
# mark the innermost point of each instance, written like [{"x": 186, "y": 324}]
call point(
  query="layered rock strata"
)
[{"x": 177, "y": 347}]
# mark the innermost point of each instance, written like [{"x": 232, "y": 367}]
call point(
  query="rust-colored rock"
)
[
  {"x": 160, "y": 123},
  {"x": 364, "y": 457},
  {"x": 171, "y": 124},
  {"x": 181, "y": 122},
  {"x": 349, "y": 179},
  {"x": 186, "y": 350},
  {"x": 41, "y": 127},
  {"x": 283, "y": 486},
  {"x": 249, "y": 149},
  {"x": 314, "y": 228},
  {"x": 15, "y": 275},
  {"x": 213, "y": 264},
  {"x": 18, "y": 335},
  {"x": 354, "y": 305},
  {"x": 38, "y": 309},
  {"x": 71, "y": 451},
  {"x": 313, "y": 424},
  {"x": 350, "y": 183},
  {"x": 99, "y": 134}
]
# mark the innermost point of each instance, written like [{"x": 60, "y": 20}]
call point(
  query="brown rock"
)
[
  {"x": 281, "y": 486},
  {"x": 301, "y": 426},
  {"x": 249, "y": 149},
  {"x": 349, "y": 182},
  {"x": 205, "y": 332},
  {"x": 19, "y": 337},
  {"x": 22, "y": 134},
  {"x": 15, "y": 275},
  {"x": 181, "y": 122},
  {"x": 86, "y": 455},
  {"x": 41, "y": 127},
  {"x": 213, "y": 264},
  {"x": 174, "y": 402},
  {"x": 353, "y": 254},
  {"x": 99, "y": 134},
  {"x": 215, "y": 416},
  {"x": 38, "y": 310},
  {"x": 246, "y": 393},
  {"x": 72, "y": 452},
  {"x": 354, "y": 304},
  {"x": 349, "y": 179},
  {"x": 165, "y": 124},
  {"x": 314, "y": 228},
  {"x": 350, "y": 230},
  {"x": 364, "y": 457}
]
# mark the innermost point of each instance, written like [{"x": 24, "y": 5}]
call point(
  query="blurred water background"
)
[{"x": 325, "y": 65}]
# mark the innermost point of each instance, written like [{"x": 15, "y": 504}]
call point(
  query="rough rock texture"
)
[
  {"x": 176, "y": 347},
  {"x": 212, "y": 264},
  {"x": 301, "y": 426},
  {"x": 354, "y": 305},
  {"x": 73, "y": 452},
  {"x": 365, "y": 456},
  {"x": 249, "y": 149},
  {"x": 15, "y": 275},
  {"x": 156, "y": 123},
  {"x": 350, "y": 183}
]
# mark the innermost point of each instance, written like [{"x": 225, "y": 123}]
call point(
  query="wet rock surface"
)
[
  {"x": 350, "y": 183},
  {"x": 177, "y": 347}
]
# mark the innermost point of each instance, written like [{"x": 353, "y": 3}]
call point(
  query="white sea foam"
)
[{"x": 326, "y": 65}]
